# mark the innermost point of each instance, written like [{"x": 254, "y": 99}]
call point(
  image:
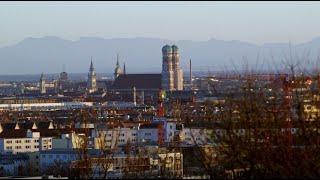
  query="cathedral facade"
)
[
  {"x": 172, "y": 75},
  {"x": 170, "y": 79}
]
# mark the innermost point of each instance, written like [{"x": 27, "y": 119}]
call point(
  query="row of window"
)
[
  {"x": 123, "y": 140},
  {"x": 45, "y": 147},
  {"x": 19, "y": 147},
  {"x": 133, "y": 134},
  {"x": 20, "y": 141}
]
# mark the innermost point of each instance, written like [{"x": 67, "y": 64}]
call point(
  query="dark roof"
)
[
  {"x": 140, "y": 81},
  {"x": 150, "y": 126},
  {"x": 43, "y": 124},
  {"x": 8, "y": 125},
  {"x": 54, "y": 132},
  {"x": 26, "y": 125},
  {"x": 12, "y": 133}
]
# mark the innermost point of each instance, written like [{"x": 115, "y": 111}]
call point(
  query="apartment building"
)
[{"x": 21, "y": 141}]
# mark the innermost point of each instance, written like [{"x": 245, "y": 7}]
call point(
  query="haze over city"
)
[{"x": 114, "y": 27}]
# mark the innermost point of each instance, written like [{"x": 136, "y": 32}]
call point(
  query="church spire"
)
[
  {"x": 92, "y": 81},
  {"x": 118, "y": 60},
  {"x": 124, "y": 68},
  {"x": 117, "y": 70},
  {"x": 91, "y": 65}
]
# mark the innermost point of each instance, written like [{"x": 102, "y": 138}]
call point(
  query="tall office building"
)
[{"x": 172, "y": 75}]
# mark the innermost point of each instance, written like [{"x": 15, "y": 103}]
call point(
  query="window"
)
[
  {"x": 18, "y": 141},
  {"x": 28, "y": 147},
  {"x": 9, "y": 147},
  {"x": 9, "y": 142},
  {"x": 36, "y": 146},
  {"x": 27, "y": 141}
]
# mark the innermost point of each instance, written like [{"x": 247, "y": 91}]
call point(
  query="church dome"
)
[
  {"x": 166, "y": 49},
  {"x": 175, "y": 48}
]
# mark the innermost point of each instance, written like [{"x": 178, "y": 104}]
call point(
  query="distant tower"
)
[
  {"x": 172, "y": 75},
  {"x": 22, "y": 88},
  {"x": 124, "y": 68},
  {"x": 178, "y": 74},
  {"x": 142, "y": 97},
  {"x": 63, "y": 79},
  {"x": 167, "y": 73},
  {"x": 92, "y": 79},
  {"x": 42, "y": 84},
  {"x": 117, "y": 70},
  {"x": 134, "y": 95}
]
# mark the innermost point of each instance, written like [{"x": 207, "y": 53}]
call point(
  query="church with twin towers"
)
[
  {"x": 170, "y": 78},
  {"x": 172, "y": 75}
]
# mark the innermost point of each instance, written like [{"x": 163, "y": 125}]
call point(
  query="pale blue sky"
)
[{"x": 255, "y": 22}]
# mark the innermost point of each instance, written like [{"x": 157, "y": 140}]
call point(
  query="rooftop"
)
[{"x": 140, "y": 81}]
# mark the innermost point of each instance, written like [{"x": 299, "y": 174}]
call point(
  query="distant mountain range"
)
[{"x": 49, "y": 54}]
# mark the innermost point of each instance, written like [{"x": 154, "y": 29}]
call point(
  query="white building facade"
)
[{"x": 31, "y": 143}]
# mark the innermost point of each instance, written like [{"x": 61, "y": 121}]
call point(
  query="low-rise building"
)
[{"x": 21, "y": 141}]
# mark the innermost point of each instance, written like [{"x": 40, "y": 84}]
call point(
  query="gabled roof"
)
[
  {"x": 14, "y": 133},
  {"x": 140, "y": 81},
  {"x": 27, "y": 125},
  {"x": 9, "y": 126},
  {"x": 44, "y": 124}
]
